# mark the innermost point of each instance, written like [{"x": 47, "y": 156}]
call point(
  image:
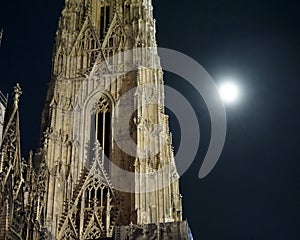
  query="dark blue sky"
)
[{"x": 253, "y": 193}]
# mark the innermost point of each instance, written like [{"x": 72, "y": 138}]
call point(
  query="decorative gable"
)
[{"x": 94, "y": 208}]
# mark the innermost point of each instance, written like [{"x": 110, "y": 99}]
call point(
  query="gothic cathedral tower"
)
[{"x": 106, "y": 153}]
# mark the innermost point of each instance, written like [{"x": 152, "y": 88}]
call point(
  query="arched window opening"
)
[
  {"x": 96, "y": 194},
  {"x": 104, "y": 20},
  {"x": 103, "y": 126}
]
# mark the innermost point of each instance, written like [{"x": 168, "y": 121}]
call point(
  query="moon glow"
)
[{"x": 229, "y": 92}]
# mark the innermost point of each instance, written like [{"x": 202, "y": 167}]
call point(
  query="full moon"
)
[{"x": 229, "y": 92}]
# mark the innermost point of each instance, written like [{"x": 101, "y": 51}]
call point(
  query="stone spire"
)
[
  {"x": 12, "y": 221},
  {"x": 81, "y": 198}
]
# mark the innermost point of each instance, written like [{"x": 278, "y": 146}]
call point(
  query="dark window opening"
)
[
  {"x": 102, "y": 30},
  {"x": 107, "y": 18},
  {"x": 107, "y": 134},
  {"x": 103, "y": 129},
  {"x": 104, "y": 21}
]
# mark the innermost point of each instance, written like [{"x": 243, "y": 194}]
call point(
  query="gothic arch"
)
[
  {"x": 95, "y": 211},
  {"x": 88, "y": 130}
]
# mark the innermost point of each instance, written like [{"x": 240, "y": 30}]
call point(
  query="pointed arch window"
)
[{"x": 103, "y": 125}]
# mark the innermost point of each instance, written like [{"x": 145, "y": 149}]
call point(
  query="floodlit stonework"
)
[
  {"x": 3, "y": 103},
  {"x": 71, "y": 188}
]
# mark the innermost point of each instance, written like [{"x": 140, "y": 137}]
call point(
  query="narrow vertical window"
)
[
  {"x": 103, "y": 126},
  {"x": 102, "y": 26},
  {"x": 107, "y": 17},
  {"x": 104, "y": 21}
]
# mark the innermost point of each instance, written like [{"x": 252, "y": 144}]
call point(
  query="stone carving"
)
[{"x": 63, "y": 191}]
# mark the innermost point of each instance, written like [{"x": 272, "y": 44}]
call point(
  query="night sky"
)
[{"x": 253, "y": 192}]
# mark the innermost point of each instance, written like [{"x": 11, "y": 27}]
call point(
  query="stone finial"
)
[
  {"x": 30, "y": 158},
  {"x": 17, "y": 93}
]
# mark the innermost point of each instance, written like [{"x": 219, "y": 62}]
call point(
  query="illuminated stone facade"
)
[
  {"x": 73, "y": 184},
  {"x": 3, "y": 104}
]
